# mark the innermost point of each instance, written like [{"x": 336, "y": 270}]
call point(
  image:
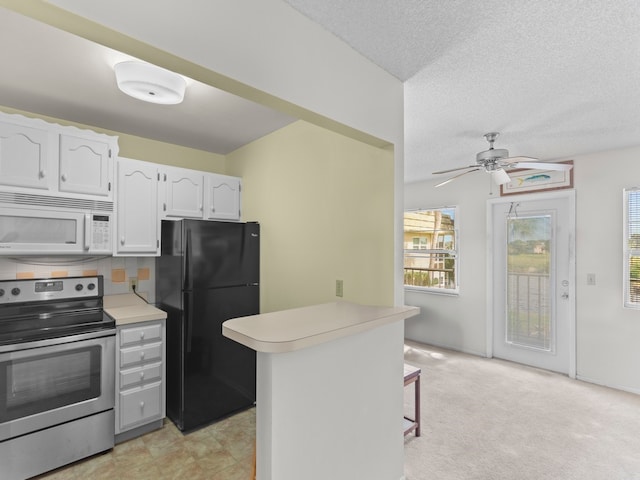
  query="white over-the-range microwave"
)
[{"x": 43, "y": 225}]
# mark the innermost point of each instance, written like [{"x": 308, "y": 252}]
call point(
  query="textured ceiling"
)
[{"x": 557, "y": 78}]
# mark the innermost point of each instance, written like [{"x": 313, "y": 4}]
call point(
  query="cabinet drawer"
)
[
  {"x": 138, "y": 376},
  {"x": 138, "y": 355},
  {"x": 136, "y": 335},
  {"x": 139, "y": 405}
]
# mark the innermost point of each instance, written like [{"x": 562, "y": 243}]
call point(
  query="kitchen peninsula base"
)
[{"x": 329, "y": 391}]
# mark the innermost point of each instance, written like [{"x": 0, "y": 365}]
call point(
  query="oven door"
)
[{"x": 42, "y": 385}]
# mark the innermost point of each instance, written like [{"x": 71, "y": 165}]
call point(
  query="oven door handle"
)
[{"x": 57, "y": 340}]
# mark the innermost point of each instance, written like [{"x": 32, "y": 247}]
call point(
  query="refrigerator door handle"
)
[
  {"x": 189, "y": 317},
  {"x": 187, "y": 260}
]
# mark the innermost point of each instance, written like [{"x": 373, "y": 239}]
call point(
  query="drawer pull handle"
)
[{"x": 141, "y": 405}]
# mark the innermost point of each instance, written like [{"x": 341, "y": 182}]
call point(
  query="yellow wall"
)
[
  {"x": 325, "y": 205},
  {"x": 146, "y": 149}
]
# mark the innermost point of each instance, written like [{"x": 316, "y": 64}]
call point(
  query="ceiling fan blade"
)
[
  {"x": 521, "y": 159},
  {"x": 455, "y": 176},
  {"x": 542, "y": 166},
  {"x": 500, "y": 177},
  {"x": 455, "y": 169}
]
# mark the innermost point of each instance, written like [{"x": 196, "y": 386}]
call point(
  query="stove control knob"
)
[
  {"x": 79, "y": 287},
  {"x": 91, "y": 286},
  {"x": 15, "y": 291},
  {"x": 1, "y": 292}
]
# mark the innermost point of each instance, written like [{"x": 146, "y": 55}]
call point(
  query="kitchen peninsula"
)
[{"x": 329, "y": 390}]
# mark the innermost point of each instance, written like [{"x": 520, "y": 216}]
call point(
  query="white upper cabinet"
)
[
  {"x": 186, "y": 193},
  {"x": 25, "y": 156},
  {"x": 182, "y": 195},
  {"x": 84, "y": 166},
  {"x": 223, "y": 197},
  {"x": 138, "y": 225},
  {"x": 44, "y": 158}
]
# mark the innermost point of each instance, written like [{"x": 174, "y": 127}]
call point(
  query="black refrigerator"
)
[{"x": 207, "y": 273}]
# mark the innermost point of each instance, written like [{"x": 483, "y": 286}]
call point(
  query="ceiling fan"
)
[{"x": 496, "y": 161}]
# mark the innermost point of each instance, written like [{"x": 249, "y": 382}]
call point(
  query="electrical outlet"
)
[
  {"x": 339, "y": 290},
  {"x": 133, "y": 284}
]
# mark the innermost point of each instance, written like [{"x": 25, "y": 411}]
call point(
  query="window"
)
[
  {"x": 631, "y": 247},
  {"x": 431, "y": 249}
]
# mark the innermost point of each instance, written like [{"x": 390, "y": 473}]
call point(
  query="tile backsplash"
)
[{"x": 116, "y": 271}]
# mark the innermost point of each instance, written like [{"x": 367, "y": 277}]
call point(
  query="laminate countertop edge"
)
[
  {"x": 129, "y": 308},
  {"x": 298, "y": 328}
]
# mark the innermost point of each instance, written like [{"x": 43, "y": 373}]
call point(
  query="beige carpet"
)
[{"x": 491, "y": 419}]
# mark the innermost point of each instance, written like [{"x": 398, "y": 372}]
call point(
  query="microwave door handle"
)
[{"x": 87, "y": 231}]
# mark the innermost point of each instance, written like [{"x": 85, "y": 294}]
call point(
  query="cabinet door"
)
[
  {"x": 85, "y": 166},
  {"x": 183, "y": 193},
  {"x": 26, "y": 155},
  {"x": 137, "y": 207},
  {"x": 223, "y": 197}
]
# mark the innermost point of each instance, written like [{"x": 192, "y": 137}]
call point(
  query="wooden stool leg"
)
[
  {"x": 253, "y": 467},
  {"x": 417, "y": 402}
]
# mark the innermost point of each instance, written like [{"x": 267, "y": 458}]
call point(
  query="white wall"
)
[
  {"x": 607, "y": 333},
  {"x": 456, "y": 322}
]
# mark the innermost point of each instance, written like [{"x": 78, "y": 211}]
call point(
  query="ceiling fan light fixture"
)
[
  {"x": 500, "y": 177},
  {"x": 150, "y": 83}
]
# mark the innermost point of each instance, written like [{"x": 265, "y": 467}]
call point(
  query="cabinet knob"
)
[
  {"x": 43, "y": 173},
  {"x": 141, "y": 405},
  {"x": 63, "y": 177},
  {"x": 141, "y": 355},
  {"x": 200, "y": 207},
  {"x": 141, "y": 335},
  {"x": 213, "y": 209},
  {"x": 122, "y": 240},
  {"x": 141, "y": 375}
]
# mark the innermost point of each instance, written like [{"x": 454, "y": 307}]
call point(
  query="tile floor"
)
[{"x": 220, "y": 451}]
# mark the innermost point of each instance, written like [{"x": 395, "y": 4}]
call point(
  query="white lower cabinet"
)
[{"x": 140, "y": 370}]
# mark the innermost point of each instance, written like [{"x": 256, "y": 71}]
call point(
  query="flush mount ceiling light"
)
[{"x": 150, "y": 83}]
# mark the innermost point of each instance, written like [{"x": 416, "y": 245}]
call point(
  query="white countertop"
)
[
  {"x": 129, "y": 308},
  {"x": 290, "y": 330}
]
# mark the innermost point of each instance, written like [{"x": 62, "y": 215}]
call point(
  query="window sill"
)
[{"x": 434, "y": 291}]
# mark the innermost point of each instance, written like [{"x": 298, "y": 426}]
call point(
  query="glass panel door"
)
[
  {"x": 529, "y": 319},
  {"x": 532, "y": 271}
]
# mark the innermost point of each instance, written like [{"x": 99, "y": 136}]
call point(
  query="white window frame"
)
[
  {"x": 629, "y": 252},
  {"x": 454, "y": 252}
]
